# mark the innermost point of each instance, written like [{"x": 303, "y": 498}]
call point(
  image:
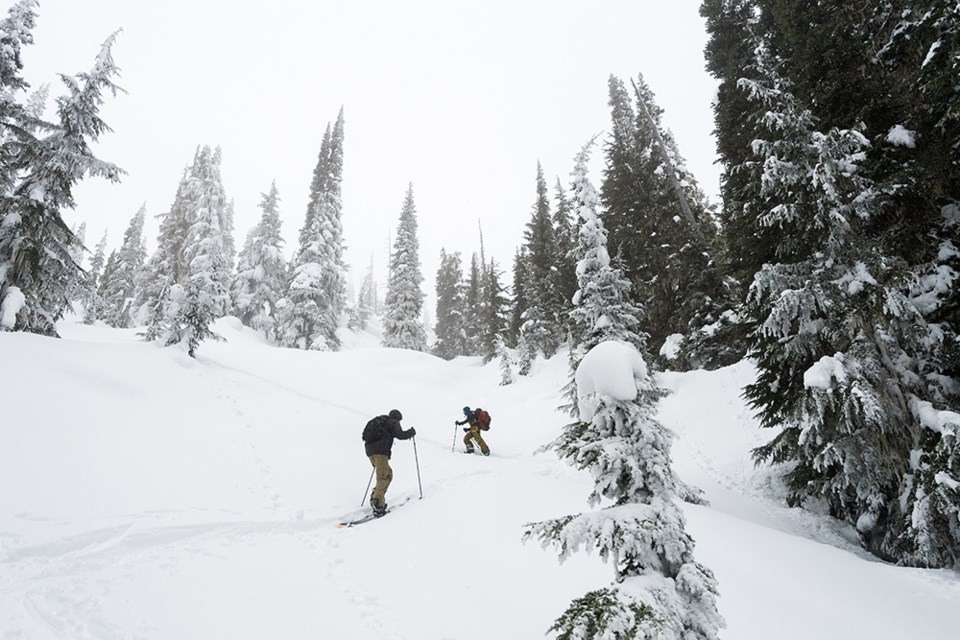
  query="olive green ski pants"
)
[{"x": 384, "y": 473}]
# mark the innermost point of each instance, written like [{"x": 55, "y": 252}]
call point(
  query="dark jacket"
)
[
  {"x": 384, "y": 445},
  {"x": 471, "y": 418}
]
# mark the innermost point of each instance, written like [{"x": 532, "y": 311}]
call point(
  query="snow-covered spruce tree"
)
[
  {"x": 18, "y": 122},
  {"x": 37, "y": 273},
  {"x": 602, "y": 309},
  {"x": 309, "y": 314},
  {"x": 165, "y": 268},
  {"x": 227, "y": 229},
  {"x": 79, "y": 249},
  {"x": 109, "y": 269},
  {"x": 203, "y": 294},
  {"x": 659, "y": 222},
  {"x": 261, "y": 277},
  {"x": 506, "y": 362},
  {"x": 402, "y": 325},
  {"x": 91, "y": 299},
  {"x": 449, "y": 330},
  {"x": 602, "y": 304},
  {"x": 473, "y": 302},
  {"x": 525, "y": 356},
  {"x": 565, "y": 232},
  {"x": 542, "y": 325},
  {"x": 659, "y": 590},
  {"x": 493, "y": 311},
  {"x": 519, "y": 304},
  {"x": 118, "y": 290},
  {"x": 843, "y": 339}
]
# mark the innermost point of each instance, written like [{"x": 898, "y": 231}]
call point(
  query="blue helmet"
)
[{"x": 466, "y": 410}]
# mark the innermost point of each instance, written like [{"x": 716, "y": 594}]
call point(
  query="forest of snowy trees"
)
[{"x": 831, "y": 262}]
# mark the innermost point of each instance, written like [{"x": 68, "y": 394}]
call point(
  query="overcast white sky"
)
[{"x": 461, "y": 98}]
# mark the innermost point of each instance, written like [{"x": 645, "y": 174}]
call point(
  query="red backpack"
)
[{"x": 483, "y": 420}]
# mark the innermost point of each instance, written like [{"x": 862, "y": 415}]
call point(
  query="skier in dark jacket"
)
[{"x": 378, "y": 451}]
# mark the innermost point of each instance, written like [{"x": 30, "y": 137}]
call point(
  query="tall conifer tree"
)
[
  {"x": 261, "y": 276},
  {"x": 118, "y": 292},
  {"x": 91, "y": 299},
  {"x": 658, "y": 219},
  {"x": 402, "y": 324},
  {"x": 37, "y": 272},
  {"x": 660, "y": 591},
  {"x": 203, "y": 295},
  {"x": 541, "y": 326},
  {"x": 847, "y": 199},
  {"x": 310, "y": 313},
  {"x": 449, "y": 329}
]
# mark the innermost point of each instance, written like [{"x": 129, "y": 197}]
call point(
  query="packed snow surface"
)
[{"x": 150, "y": 496}]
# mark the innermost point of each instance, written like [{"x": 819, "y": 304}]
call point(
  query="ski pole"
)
[
  {"x": 369, "y": 482},
  {"x": 453, "y": 447},
  {"x": 416, "y": 458}
]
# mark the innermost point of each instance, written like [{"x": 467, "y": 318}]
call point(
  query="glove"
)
[
  {"x": 466, "y": 429},
  {"x": 413, "y": 432}
]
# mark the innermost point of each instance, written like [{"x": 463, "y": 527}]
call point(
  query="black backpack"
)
[{"x": 376, "y": 429}]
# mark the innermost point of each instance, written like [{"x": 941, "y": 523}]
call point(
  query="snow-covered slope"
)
[{"x": 147, "y": 495}]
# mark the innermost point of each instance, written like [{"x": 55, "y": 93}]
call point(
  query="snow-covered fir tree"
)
[
  {"x": 838, "y": 329},
  {"x": 659, "y": 223},
  {"x": 659, "y": 590},
  {"x": 227, "y": 230},
  {"x": 493, "y": 311},
  {"x": 472, "y": 303},
  {"x": 840, "y": 194},
  {"x": 506, "y": 362},
  {"x": 542, "y": 326},
  {"x": 525, "y": 356},
  {"x": 91, "y": 299},
  {"x": 309, "y": 314},
  {"x": 77, "y": 254},
  {"x": 403, "y": 306},
  {"x": 165, "y": 267},
  {"x": 117, "y": 292},
  {"x": 37, "y": 272},
  {"x": 18, "y": 120},
  {"x": 565, "y": 232},
  {"x": 519, "y": 299},
  {"x": 449, "y": 330},
  {"x": 603, "y": 308},
  {"x": 261, "y": 278},
  {"x": 203, "y": 294}
]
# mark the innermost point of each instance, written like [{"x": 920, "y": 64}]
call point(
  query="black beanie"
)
[{"x": 396, "y": 415}]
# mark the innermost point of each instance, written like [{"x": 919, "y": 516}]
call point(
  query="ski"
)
[{"x": 367, "y": 518}]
